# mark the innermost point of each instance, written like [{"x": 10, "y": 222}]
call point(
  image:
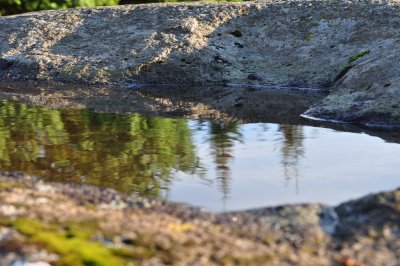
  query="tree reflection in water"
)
[
  {"x": 292, "y": 151},
  {"x": 222, "y": 140},
  {"x": 224, "y": 136},
  {"x": 130, "y": 153}
]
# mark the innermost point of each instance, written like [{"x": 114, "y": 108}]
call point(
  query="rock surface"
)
[
  {"x": 130, "y": 229},
  {"x": 282, "y": 43},
  {"x": 368, "y": 93}
]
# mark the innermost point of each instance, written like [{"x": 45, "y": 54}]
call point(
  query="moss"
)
[
  {"x": 73, "y": 245},
  {"x": 9, "y": 184},
  {"x": 90, "y": 206},
  {"x": 184, "y": 227},
  {"x": 350, "y": 65},
  {"x": 239, "y": 260},
  {"x": 308, "y": 36},
  {"x": 122, "y": 252},
  {"x": 136, "y": 253},
  {"x": 368, "y": 88},
  {"x": 343, "y": 72},
  {"x": 355, "y": 57},
  {"x": 269, "y": 240}
]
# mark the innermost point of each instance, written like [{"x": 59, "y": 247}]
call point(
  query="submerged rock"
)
[{"x": 296, "y": 43}]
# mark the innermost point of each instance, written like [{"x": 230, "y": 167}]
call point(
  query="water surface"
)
[{"x": 215, "y": 166}]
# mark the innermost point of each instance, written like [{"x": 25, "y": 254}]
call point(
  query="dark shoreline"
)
[{"x": 221, "y": 104}]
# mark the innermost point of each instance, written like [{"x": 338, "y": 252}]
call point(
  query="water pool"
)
[{"x": 219, "y": 167}]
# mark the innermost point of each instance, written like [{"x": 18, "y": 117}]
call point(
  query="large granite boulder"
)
[{"x": 350, "y": 47}]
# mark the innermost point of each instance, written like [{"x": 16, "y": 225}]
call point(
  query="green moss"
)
[
  {"x": 368, "y": 88},
  {"x": 308, "y": 37},
  {"x": 355, "y": 57},
  {"x": 137, "y": 253},
  {"x": 350, "y": 65},
  {"x": 72, "y": 243},
  {"x": 343, "y": 72},
  {"x": 238, "y": 260},
  {"x": 122, "y": 252},
  {"x": 90, "y": 206},
  {"x": 9, "y": 184},
  {"x": 269, "y": 240}
]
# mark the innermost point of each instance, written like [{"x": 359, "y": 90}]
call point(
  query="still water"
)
[{"x": 218, "y": 167}]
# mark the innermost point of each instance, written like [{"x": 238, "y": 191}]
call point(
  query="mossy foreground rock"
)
[
  {"x": 75, "y": 225},
  {"x": 295, "y": 43}
]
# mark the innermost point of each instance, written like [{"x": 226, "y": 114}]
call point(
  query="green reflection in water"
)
[{"x": 130, "y": 153}]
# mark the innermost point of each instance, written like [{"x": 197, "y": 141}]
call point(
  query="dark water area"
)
[{"x": 218, "y": 167}]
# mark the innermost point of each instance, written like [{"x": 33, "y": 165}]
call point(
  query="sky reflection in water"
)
[{"x": 218, "y": 167}]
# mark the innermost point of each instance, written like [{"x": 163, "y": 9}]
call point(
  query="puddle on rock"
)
[{"x": 219, "y": 167}]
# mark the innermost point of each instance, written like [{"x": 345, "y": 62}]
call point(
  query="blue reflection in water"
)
[{"x": 271, "y": 164}]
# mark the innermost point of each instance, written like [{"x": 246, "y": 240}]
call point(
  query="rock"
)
[
  {"x": 365, "y": 230},
  {"x": 270, "y": 42},
  {"x": 378, "y": 211},
  {"x": 368, "y": 228},
  {"x": 368, "y": 93}
]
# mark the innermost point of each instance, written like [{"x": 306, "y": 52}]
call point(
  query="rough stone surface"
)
[
  {"x": 295, "y": 43},
  {"x": 152, "y": 232},
  {"x": 369, "y": 93}
]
